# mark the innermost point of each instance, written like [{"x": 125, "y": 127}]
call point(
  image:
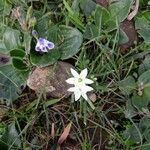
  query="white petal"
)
[
  {"x": 74, "y": 73},
  {"x": 88, "y": 81},
  {"x": 84, "y": 95},
  {"x": 38, "y": 47},
  {"x": 71, "y": 80},
  {"x": 50, "y": 45},
  {"x": 72, "y": 89},
  {"x": 77, "y": 95},
  {"x": 83, "y": 73},
  {"x": 45, "y": 41},
  {"x": 86, "y": 89}
]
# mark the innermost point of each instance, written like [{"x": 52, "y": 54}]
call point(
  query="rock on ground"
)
[{"x": 51, "y": 79}]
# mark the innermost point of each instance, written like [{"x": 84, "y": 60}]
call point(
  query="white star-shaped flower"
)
[{"x": 79, "y": 81}]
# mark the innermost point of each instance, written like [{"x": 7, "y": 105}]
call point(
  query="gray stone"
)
[{"x": 51, "y": 79}]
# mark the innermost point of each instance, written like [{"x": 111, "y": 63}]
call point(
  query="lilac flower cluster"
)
[{"x": 42, "y": 44}]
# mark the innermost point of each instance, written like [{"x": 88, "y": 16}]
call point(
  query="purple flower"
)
[
  {"x": 44, "y": 45},
  {"x": 34, "y": 33}
]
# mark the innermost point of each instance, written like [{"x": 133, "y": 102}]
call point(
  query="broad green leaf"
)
[
  {"x": 144, "y": 123},
  {"x": 146, "y": 15},
  {"x": 131, "y": 135},
  {"x": 19, "y": 64},
  {"x": 144, "y": 79},
  {"x": 91, "y": 31},
  {"x": 44, "y": 59},
  {"x": 52, "y": 35},
  {"x": 144, "y": 126},
  {"x": 142, "y": 101},
  {"x": 17, "y": 53},
  {"x": 130, "y": 109},
  {"x": 120, "y": 9},
  {"x": 144, "y": 65},
  {"x": 127, "y": 85},
  {"x": 102, "y": 16},
  {"x": 5, "y": 7},
  {"x": 87, "y": 7},
  {"x": 142, "y": 25},
  {"x": 12, "y": 39},
  {"x": 75, "y": 6},
  {"x": 103, "y": 22},
  {"x": 10, "y": 138},
  {"x": 43, "y": 23},
  {"x": 10, "y": 82},
  {"x": 18, "y": 59},
  {"x": 145, "y": 146},
  {"x": 3, "y": 48},
  {"x": 71, "y": 41},
  {"x": 147, "y": 92}
]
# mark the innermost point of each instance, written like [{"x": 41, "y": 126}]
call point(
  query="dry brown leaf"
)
[
  {"x": 65, "y": 134},
  {"x": 53, "y": 130}
]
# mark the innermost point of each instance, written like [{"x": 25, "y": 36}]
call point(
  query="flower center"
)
[{"x": 80, "y": 80}]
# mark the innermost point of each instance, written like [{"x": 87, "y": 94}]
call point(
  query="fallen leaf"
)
[{"x": 65, "y": 134}]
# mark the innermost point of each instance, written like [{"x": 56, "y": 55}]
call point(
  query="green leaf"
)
[
  {"x": 3, "y": 48},
  {"x": 144, "y": 126},
  {"x": 147, "y": 92},
  {"x": 144, "y": 79},
  {"x": 143, "y": 101},
  {"x": 17, "y": 53},
  {"x": 120, "y": 9},
  {"x": 144, "y": 66},
  {"x": 102, "y": 23},
  {"x": 10, "y": 138},
  {"x": 139, "y": 102},
  {"x": 51, "y": 102},
  {"x": 43, "y": 23},
  {"x": 18, "y": 59},
  {"x": 71, "y": 41},
  {"x": 146, "y": 15},
  {"x": 131, "y": 135},
  {"x": 44, "y": 59},
  {"x": 52, "y": 35},
  {"x": 130, "y": 109},
  {"x": 12, "y": 39},
  {"x": 145, "y": 146},
  {"x": 87, "y": 7},
  {"x": 127, "y": 85},
  {"x": 5, "y": 7},
  {"x": 142, "y": 25},
  {"x": 102, "y": 16},
  {"x": 10, "y": 82},
  {"x": 91, "y": 31},
  {"x": 19, "y": 64}
]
